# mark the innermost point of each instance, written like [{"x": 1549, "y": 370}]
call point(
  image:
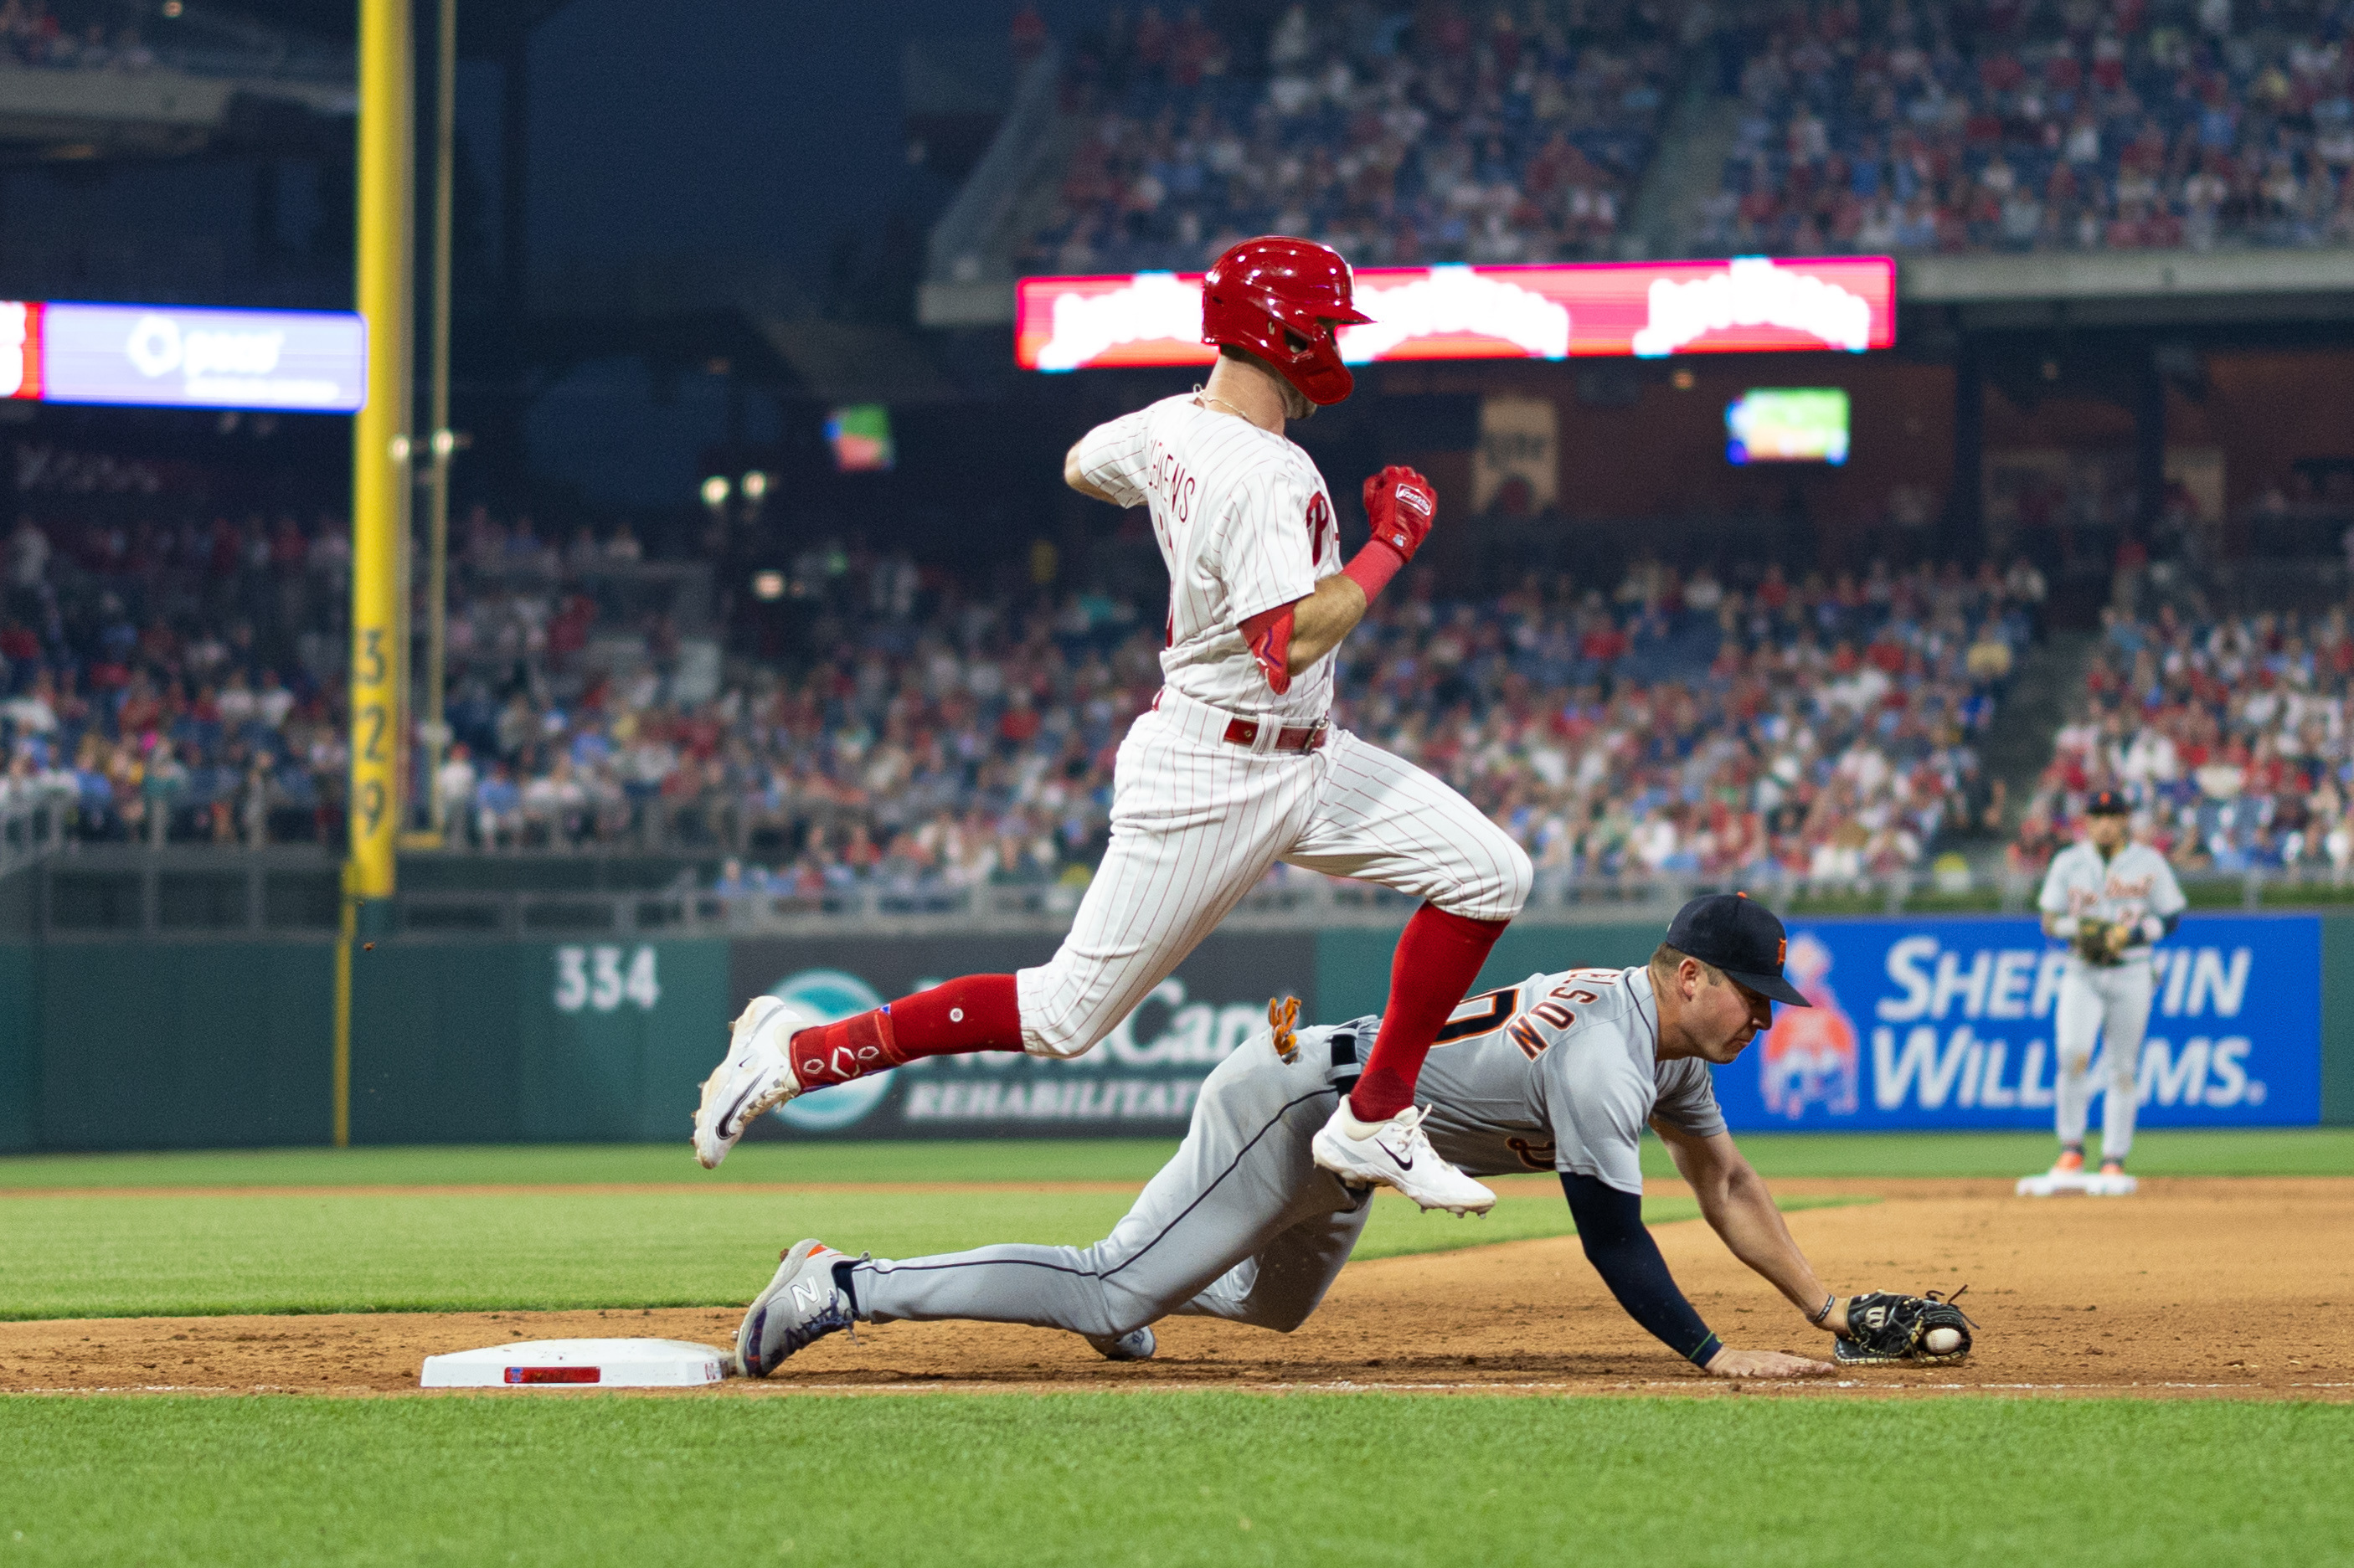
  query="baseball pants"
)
[
  {"x": 1197, "y": 821},
  {"x": 1240, "y": 1224},
  {"x": 2111, "y": 1002}
]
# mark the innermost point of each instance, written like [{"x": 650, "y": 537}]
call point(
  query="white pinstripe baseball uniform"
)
[
  {"x": 1244, "y": 524},
  {"x": 2105, "y": 1001}
]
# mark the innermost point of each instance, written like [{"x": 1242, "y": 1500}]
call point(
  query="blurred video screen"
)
[
  {"x": 1787, "y": 424},
  {"x": 860, "y": 435}
]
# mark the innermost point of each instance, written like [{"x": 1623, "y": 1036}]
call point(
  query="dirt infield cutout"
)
[{"x": 2197, "y": 1288}]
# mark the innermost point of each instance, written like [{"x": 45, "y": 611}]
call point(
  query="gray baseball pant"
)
[
  {"x": 2110, "y": 1002},
  {"x": 1241, "y": 1224}
]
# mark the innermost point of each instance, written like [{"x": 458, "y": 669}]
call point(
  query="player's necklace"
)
[{"x": 1203, "y": 400}]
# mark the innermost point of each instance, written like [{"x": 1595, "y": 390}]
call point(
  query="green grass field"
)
[
  {"x": 1196, "y": 1478},
  {"x": 2286, "y": 1152},
  {"x": 1199, "y": 1477}
]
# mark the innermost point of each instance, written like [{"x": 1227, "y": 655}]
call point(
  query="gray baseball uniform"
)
[
  {"x": 2109, "y": 1000},
  {"x": 1554, "y": 1074}
]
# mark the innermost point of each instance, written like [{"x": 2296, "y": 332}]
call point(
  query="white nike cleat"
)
[
  {"x": 1397, "y": 1153},
  {"x": 755, "y": 1077}
]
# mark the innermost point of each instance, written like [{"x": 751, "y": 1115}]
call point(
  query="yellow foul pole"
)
[{"x": 380, "y": 486}]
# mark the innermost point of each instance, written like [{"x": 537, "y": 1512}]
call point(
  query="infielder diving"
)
[
  {"x": 1560, "y": 1072},
  {"x": 2109, "y": 899},
  {"x": 1235, "y": 766}
]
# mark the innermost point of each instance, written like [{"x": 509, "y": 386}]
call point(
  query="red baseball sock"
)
[
  {"x": 1436, "y": 960},
  {"x": 979, "y": 1013}
]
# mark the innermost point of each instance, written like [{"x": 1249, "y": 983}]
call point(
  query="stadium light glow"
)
[
  {"x": 1751, "y": 304},
  {"x": 715, "y": 491}
]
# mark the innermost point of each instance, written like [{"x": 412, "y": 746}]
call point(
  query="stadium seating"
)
[
  {"x": 1440, "y": 134},
  {"x": 1931, "y": 125},
  {"x": 1911, "y": 126},
  {"x": 2230, "y": 736},
  {"x": 180, "y": 684}
]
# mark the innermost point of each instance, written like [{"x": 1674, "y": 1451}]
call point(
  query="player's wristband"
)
[
  {"x": 1373, "y": 567},
  {"x": 1705, "y": 1351},
  {"x": 1821, "y": 1314},
  {"x": 2064, "y": 927}
]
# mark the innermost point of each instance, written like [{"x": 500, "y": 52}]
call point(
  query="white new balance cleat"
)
[
  {"x": 803, "y": 1304},
  {"x": 1136, "y": 1345},
  {"x": 1397, "y": 1153},
  {"x": 755, "y": 1077}
]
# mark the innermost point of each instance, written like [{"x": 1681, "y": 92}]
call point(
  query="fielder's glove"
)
[
  {"x": 1884, "y": 1327},
  {"x": 2100, "y": 941}
]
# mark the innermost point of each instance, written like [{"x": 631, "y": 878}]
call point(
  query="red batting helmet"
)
[{"x": 1281, "y": 298}]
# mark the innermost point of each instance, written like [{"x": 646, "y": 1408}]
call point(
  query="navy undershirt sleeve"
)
[{"x": 1610, "y": 1227}]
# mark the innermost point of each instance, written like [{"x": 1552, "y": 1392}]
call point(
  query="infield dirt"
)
[{"x": 2194, "y": 1287}]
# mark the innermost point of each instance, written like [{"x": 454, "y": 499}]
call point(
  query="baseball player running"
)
[
  {"x": 1235, "y": 766},
  {"x": 2108, "y": 898},
  {"x": 1559, "y": 1072}
]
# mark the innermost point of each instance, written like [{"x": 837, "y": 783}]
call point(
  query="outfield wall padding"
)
[
  {"x": 20, "y": 1054},
  {"x": 185, "y": 1044},
  {"x": 228, "y": 1044}
]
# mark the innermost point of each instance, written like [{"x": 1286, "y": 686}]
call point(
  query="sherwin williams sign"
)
[
  {"x": 177, "y": 356},
  {"x": 1947, "y": 1024},
  {"x": 1750, "y": 304}
]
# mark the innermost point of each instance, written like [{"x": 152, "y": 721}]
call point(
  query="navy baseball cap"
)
[
  {"x": 1740, "y": 936},
  {"x": 2107, "y": 803}
]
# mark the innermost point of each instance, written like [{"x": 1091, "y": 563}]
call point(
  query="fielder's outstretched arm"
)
[
  {"x": 1733, "y": 1200},
  {"x": 1610, "y": 1228}
]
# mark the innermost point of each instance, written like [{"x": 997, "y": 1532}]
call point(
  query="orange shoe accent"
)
[
  {"x": 2069, "y": 1162},
  {"x": 2113, "y": 1167}
]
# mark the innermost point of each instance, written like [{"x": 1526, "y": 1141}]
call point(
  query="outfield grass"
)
[
  {"x": 112, "y": 1257},
  {"x": 1147, "y": 1478},
  {"x": 2287, "y": 1152}
]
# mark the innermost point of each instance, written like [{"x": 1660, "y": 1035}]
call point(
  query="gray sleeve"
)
[
  {"x": 2055, "y": 897},
  {"x": 1688, "y": 1100},
  {"x": 1597, "y": 1103},
  {"x": 2165, "y": 894}
]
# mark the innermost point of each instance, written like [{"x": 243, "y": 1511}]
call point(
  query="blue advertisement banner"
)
[{"x": 1948, "y": 1023}]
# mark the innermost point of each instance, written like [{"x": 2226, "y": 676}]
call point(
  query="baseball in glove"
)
[
  {"x": 1884, "y": 1327},
  {"x": 2100, "y": 941}
]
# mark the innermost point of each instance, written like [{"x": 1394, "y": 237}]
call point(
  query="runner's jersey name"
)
[{"x": 1244, "y": 524}]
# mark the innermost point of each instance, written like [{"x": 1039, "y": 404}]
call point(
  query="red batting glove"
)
[{"x": 1401, "y": 505}]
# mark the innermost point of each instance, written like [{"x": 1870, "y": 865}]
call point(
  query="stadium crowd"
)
[
  {"x": 1440, "y": 133},
  {"x": 1447, "y": 131},
  {"x": 1947, "y": 125},
  {"x": 181, "y": 685},
  {"x": 2229, "y": 735},
  {"x": 71, "y": 37}
]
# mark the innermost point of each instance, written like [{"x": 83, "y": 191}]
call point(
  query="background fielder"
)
[
  {"x": 1560, "y": 1072},
  {"x": 2109, "y": 898},
  {"x": 1236, "y": 765}
]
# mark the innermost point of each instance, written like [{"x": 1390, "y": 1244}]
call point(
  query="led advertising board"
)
[
  {"x": 184, "y": 356},
  {"x": 1648, "y": 309}
]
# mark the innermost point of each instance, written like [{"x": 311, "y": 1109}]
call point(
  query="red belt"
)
[{"x": 1298, "y": 738}]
